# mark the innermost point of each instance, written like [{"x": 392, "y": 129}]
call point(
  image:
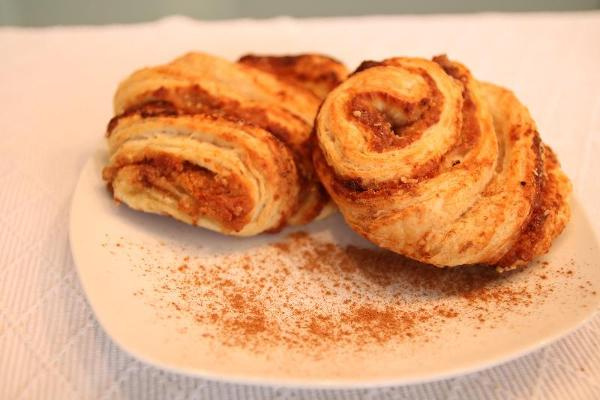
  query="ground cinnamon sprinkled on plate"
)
[{"x": 308, "y": 294}]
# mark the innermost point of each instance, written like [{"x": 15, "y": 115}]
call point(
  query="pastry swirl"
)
[
  {"x": 423, "y": 159},
  {"x": 225, "y": 146}
]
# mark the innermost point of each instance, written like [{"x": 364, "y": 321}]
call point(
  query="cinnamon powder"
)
[{"x": 310, "y": 295}]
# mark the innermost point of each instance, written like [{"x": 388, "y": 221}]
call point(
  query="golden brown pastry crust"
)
[
  {"x": 317, "y": 73},
  {"x": 426, "y": 161},
  {"x": 198, "y": 101}
]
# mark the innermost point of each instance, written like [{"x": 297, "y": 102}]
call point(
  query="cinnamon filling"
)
[
  {"x": 318, "y": 74},
  {"x": 395, "y": 123},
  {"x": 194, "y": 99},
  {"x": 200, "y": 192},
  {"x": 470, "y": 127},
  {"x": 155, "y": 108},
  {"x": 547, "y": 201},
  {"x": 366, "y": 65}
]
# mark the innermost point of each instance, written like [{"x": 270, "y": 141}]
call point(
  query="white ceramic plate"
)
[{"x": 150, "y": 283}]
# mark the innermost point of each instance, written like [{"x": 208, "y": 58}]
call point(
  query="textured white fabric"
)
[{"x": 56, "y": 87}]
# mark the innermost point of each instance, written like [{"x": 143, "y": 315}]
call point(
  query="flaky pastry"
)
[
  {"x": 423, "y": 159},
  {"x": 221, "y": 145}
]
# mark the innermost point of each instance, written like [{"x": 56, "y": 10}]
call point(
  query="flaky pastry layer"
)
[
  {"x": 423, "y": 159},
  {"x": 225, "y": 146}
]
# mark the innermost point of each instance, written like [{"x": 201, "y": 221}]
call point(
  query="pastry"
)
[
  {"x": 317, "y": 73},
  {"x": 424, "y": 160},
  {"x": 221, "y": 145}
]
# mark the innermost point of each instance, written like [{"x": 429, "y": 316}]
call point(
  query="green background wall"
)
[{"x": 69, "y": 12}]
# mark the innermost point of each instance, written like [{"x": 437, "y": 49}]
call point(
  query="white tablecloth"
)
[{"x": 56, "y": 86}]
